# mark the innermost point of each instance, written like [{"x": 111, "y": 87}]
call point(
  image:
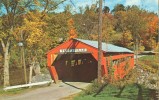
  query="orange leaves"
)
[
  {"x": 94, "y": 36},
  {"x": 153, "y": 24},
  {"x": 70, "y": 22},
  {"x": 72, "y": 31},
  {"x": 150, "y": 34}
]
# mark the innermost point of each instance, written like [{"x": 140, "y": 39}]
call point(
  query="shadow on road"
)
[{"x": 74, "y": 86}]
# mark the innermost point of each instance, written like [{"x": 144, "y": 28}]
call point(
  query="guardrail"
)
[{"x": 27, "y": 85}]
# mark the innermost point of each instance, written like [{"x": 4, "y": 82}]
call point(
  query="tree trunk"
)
[
  {"x": 100, "y": 89},
  {"x": 121, "y": 90},
  {"x": 139, "y": 97},
  {"x": 31, "y": 72},
  {"x": 6, "y": 63},
  {"x": 25, "y": 71}
]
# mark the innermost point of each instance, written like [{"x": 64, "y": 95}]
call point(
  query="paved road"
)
[
  {"x": 53, "y": 92},
  {"x": 138, "y": 56}
]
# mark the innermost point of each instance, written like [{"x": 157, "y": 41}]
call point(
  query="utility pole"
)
[{"x": 100, "y": 42}]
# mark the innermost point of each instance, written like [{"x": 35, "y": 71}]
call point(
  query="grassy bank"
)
[
  {"x": 149, "y": 63},
  {"x": 130, "y": 92},
  {"x": 13, "y": 91}
]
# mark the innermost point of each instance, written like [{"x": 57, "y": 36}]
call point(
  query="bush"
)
[
  {"x": 93, "y": 88},
  {"x": 147, "y": 67},
  {"x": 152, "y": 81}
]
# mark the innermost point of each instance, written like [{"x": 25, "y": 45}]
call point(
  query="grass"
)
[
  {"x": 14, "y": 91},
  {"x": 149, "y": 63},
  {"x": 153, "y": 58},
  {"x": 130, "y": 93}
]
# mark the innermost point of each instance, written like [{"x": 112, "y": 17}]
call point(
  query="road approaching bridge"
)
[{"x": 53, "y": 92}]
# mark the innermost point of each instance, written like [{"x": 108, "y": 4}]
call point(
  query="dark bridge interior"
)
[{"x": 76, "y": 67}]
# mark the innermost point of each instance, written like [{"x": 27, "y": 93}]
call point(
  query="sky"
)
[{"x": 150, "y": 5}]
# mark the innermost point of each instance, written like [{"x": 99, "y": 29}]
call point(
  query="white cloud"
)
[
  {"x": 151, "y": 5},
  {"x": 83, "y": 4},
  {"x": 132, "y": 2},
  {"x": 151, "y": 1},
  {"x": 112, "y": 3}
]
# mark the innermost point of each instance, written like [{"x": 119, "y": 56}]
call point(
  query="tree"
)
[
  {"x": 81, "y": 10},
  {"x": 140, "y": 24},
  {"x": 106, "y": 9},
  {"x": 57, "y": 27},
  {"x": 108, "y": 27},
  {"x": 150, "y": 38},
  {"x": 67, "y": 9},
  {"x": 136, "y": 24},
  {"x": 33, "y": 32},
  {"x": 12, "y": 10},
  {"x": 87, "y": 22},
  {"x": 118, "y": 7},
  {"x": 131, "y": 21},
  {"x": 72, "y": 31}
]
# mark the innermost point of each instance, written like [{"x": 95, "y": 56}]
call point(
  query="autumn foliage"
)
[
  {"x": 72, "y": 30},
  {"x": 40, "y": 28}
]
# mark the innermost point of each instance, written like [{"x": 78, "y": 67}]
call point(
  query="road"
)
[
  {"x": 53, "y": 92},
  {"x": 138, "y": 56}
]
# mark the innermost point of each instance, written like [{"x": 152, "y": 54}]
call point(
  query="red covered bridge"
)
[{"x": 76, "y": 60}]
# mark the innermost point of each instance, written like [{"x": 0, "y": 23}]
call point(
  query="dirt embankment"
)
[{"x": 16, "y": 76}]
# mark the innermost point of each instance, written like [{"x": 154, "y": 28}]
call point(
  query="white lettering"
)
[{"x": 73, "y": 50}]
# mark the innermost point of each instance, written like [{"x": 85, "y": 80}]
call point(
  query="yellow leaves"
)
[
  {"x": 94, "y": 36},
  {"x": 2, "y": 35},
  {"x": 128, "y": 35},
  {"x": 156, "y": 49},
  {"x": 36, "y": 2},
  {"x": 34, "y": 37},
  {"x": 152, "y": 42},
  {"x": 33, "y": 16},
  {"x": 32, "y": 27},
  {"x": 141, "y": 48}
]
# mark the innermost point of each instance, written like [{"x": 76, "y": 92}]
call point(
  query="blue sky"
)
[{"x": 150, "y": 5}]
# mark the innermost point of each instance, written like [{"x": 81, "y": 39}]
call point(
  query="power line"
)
[{"x": 72, "y": 3}]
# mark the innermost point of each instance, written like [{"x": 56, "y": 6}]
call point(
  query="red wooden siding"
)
[{"x": 119, "y": 69}]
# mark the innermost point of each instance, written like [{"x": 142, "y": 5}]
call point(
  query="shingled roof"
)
[{"x": 105, "y": 47}]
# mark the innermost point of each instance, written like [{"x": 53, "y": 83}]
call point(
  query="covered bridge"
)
[{"x": 77, "y": 60}]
